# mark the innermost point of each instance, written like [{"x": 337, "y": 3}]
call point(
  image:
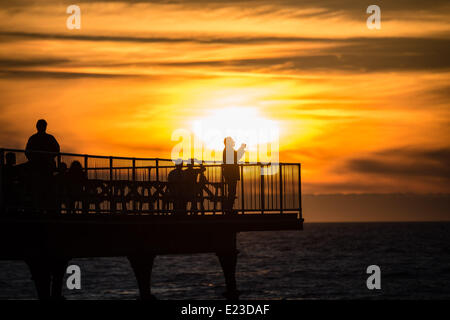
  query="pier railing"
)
[{"x": 139, "y": 186}]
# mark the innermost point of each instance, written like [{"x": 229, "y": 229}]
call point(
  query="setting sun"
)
[{"x": 244, "y": 125}]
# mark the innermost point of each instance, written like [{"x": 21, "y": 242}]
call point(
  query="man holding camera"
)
[{"x": 230, "y": 171}]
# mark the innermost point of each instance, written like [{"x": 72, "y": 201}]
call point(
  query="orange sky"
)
[{"x": 363, "y": 110}]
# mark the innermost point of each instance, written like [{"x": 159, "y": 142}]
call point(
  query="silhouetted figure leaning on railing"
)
[{"x": 230, "y": 171}]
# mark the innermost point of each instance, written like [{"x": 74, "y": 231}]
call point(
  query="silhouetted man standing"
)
[
  {"x": 47, "y": 272},
  {"x": 42, "y": 141},
  {"x": 230, "y": 171},
  {"x": 42, "y": 166}
]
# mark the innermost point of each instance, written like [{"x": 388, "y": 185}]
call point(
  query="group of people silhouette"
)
[
  {"x": 183, "y": 186},
  {"x": 187, "y": 186},
  {"x": 46, "y": 178},
  {"x": 41, "y": 151},
  {"x": 43, "y": 175},
  {"x": 40, "y": 176}
]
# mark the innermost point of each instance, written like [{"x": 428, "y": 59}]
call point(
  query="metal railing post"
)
[
  {"x": 300, "y": 190},
  {"x": 280, "y": 170},
  {"x": 242, "y": 189},
  {"x": 2, "y": 165},
  {"x": 112, "y": 204},
  {"x": 134, "y": 189},
  {"x": 55, "y": 192},
  {"x": 86, "y": 197},
  {"x": 86, "y": 164},
  {"x": 223, "y": 186},
  {"x": 157, "y": 183},
  {"x": 262, "y": 189}
]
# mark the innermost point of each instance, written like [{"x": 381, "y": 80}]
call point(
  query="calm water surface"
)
[{"x": 324, "y": 261}]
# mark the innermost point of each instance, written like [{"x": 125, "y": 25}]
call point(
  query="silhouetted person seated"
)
[
  {"x": 176, "y": 189},
  {"x": 230, "y": 171},
  {"x": 10, "y": 182},
  {"x": 75, "y": 181},
  {"x": 44, "y": 142}
]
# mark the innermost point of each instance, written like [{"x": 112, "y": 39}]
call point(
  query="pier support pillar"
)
[
  {"x": 47, "y": 274},
  {"x": 142, "y": 267},
  {"x": 228, "y": 262}
]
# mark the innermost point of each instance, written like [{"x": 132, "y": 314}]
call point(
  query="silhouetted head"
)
[
  {"x": 41, "y": 125},
  {"x": 62, "y": 167},
  {"x": 178, "y": 163},
  {"x": 229, "y": 142},
  {"x": 10, "y": 158},
  {"x": 76, "y": 166}
]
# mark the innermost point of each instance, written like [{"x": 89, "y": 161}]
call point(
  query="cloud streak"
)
[
  {"x": 353, "y": 54},
  {"x": 349, "y": 8},
  {"x": 431, "y": 164},
  {"x": 29, "y": 74}
]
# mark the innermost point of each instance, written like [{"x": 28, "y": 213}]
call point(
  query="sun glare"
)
[{"x": 243, "y": 124}]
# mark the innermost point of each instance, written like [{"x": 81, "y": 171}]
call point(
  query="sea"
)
[{"x": 323, "y": 261}]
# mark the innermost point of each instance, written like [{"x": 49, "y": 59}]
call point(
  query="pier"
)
[{"x": 124, "y": 207}]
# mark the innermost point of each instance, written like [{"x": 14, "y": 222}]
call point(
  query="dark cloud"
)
[
  {"x": 408, "y": 169},
  {"x": 20, "y": 74},
  {"x": 343, "y": 187},
  {"x": 31, "y": 62},
  {"x": 356, "y": 54},
  {"x": 352, "y": 54},
  {"x": 13, "y": 36},
  {"x": 405, "y": 162},
  {"x": 437, "y": 95},
  {"x": 350, "y": 8}
]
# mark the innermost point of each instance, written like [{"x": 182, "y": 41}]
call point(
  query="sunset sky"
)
[{"x": 364, "y": 111}]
